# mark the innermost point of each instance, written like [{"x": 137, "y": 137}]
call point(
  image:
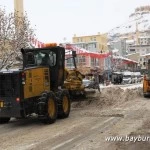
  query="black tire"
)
[
  {"x": 4, "y": 120},
  {"x": 51, "y": 109},
  {"x": 146, "y": 95},
  {"x": 64, "y": 105}
]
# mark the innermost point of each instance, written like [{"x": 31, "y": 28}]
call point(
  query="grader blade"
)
[{"x": 85, "y": 96}]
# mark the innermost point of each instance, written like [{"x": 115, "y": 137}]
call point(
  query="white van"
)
[
  {"x": 133, "y": 77},
  {"x": 127, "y": 77},
  {"x": 137, "y": 77}
]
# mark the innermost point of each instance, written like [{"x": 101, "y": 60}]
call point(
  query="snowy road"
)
[
  {"x": 124, "y": 86},
  {"x": 88, "y": 126}
]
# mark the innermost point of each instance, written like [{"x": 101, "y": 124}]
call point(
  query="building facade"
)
[
  {"x": 120, "y": 45},
  {"x": 144, "y": 40},
  {"x": 86, "y": 60},
  {"x": 93, "y": 43},
  {"x": 138, "y": 52}
]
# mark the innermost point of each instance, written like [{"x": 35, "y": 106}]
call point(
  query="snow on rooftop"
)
[
  {"x": 123, "y": 58},
  {"x": 129, "y": 41},
  {"x": 132, "y": 54},
  {"x": 148, "y": 54},
  {"x": 115, "y": 50},
  {"x": 143, "y": 37}
]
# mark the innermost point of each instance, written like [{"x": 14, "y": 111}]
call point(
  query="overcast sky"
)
[{"x": 56, "y": 20}]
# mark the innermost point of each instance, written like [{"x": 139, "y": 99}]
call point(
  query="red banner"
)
[{"x": 84, "y": 52}]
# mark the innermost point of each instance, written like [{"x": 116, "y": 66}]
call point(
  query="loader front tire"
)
[{"x": 51, "y": 114}]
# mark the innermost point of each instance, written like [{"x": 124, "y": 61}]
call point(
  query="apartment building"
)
[
  {"x": 93, "y": 43},
  {"x": 144, "y": 40}
]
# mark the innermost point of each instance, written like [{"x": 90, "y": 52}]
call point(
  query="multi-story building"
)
[
  {"x": 120, "y": 45},
  {"x": 87, "y": 60},
  {"x": 93, "y": 43},
  {"x": 129, "y": 44},
  {"x": 142, "y": 49},
  {"x": 138, "y": 53},
  {"x": 144, "y": 40}
]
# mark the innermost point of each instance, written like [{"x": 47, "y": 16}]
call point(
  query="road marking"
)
[
  {"x": 97, "y": 125},
  {"x": 68, "y": 141},
  {"x": 87, "y": 135}
]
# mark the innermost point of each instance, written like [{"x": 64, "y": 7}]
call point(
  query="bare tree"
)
[
  {"x": 15, "y": 33},
  {"x": 116, "y": 64}
]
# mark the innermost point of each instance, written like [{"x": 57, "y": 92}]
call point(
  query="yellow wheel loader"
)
[
  {"x": 37, "y": 88},
  {"x": 146, "y": 80}
]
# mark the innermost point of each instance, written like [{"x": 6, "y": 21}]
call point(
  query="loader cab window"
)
[
  {"x": 52, "y": 57},
  {"x": 30, "y": 59},
  {"x": 45, "y": 58}
]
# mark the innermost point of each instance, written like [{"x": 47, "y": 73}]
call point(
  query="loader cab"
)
[{"x": 49, "y": 57}]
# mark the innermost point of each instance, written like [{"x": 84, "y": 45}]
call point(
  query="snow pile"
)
[{"x": 111, "y": 96}]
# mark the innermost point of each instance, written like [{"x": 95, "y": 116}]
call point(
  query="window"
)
[
  {"x": 69, "y": 62},
  {"x": 45, "y": 58},
  {"x": 94, "y": 39},
  {"x": 147, "y": 50},
  {"x": 81, "y": 60},
  {"x": 30, "y": 59},
  {"x": 97, "y": 62},
  {"x": 93, "y": 62},
  {"x": 132, "y": 50},
  {"x": 52, "y": 57}
]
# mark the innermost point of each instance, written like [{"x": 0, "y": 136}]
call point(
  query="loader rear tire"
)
[
  {"x": 64, "y": 105},
  {"x": 51, "y": 114},
  {"x": 4, "y": 120}
]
